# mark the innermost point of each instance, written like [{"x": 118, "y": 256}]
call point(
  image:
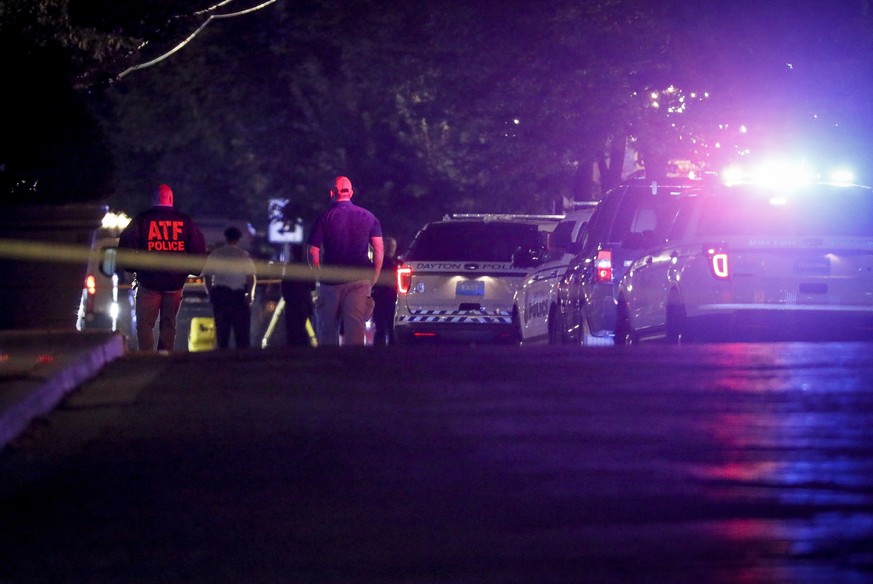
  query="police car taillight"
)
[
  {"x": 603, "y": 266},
  {"x": 718, "y": 263},
  {"x": 91, "y": 284},
  {"x": 404, "y": 279}
]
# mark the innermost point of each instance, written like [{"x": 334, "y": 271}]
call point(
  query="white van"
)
[{"x": 107, "y": 301}]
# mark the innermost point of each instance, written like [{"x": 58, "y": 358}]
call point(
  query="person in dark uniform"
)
[
  {"x": 159, "y": 236},
  {"x": 229, "y": 275},
  {"x": 341, "y": 238},
  {"x": 297, "y": 293}
]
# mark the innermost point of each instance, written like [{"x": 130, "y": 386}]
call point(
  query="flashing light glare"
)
[
  {"x": 113, "y": 220},
  {"x": 91, "y": 284},
  {"x": 778, "y": 201},
  {"x": 782, "y": 175},
  {"x": 404, "y": 279},
  {"x": 732, "y": 175},
  {"x": 773, "y": 175},
  {"x": 842, "y": 176}
]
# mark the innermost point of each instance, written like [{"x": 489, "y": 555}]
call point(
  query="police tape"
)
[{"x": 133, "y": 260}]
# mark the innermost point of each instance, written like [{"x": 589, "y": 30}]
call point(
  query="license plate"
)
[
  {"x": 470, "y": 288},
  {"x": 813, "y": 267}
]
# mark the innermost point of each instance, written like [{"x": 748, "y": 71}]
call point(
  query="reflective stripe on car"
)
[{"x": 458, "y": 316}]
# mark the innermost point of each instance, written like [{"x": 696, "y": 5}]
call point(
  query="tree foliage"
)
[
  {"x": 481, "y": 107},
  {"x": 429, "y": 107}
]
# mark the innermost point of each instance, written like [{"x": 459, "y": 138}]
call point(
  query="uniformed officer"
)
[{"x": 229, "y": 275}]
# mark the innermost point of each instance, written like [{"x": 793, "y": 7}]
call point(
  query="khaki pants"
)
[{"x": 349, "y": 304}]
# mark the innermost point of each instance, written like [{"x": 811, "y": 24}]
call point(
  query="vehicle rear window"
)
[
  {"x": 825, "y": 212},
  {"x": 644, "y": 213},
  {"x": 478, "y": 242}
]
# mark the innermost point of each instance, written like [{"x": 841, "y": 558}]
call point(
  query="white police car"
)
[
  {"x": 457, "y": 280},
  {"x": 535, "y": 306},
  {"x": 786, "y": 260}
]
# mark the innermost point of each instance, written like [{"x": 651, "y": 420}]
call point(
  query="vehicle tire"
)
[
  {"x": 623, "y": 334},
  {"x": 517, "y": 339},
  {"x": 589, "y": 339},
  {"x": 675, "y": 322},
  {"x": 556, "y": 335}
]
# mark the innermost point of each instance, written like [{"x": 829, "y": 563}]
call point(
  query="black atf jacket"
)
[{"x": 166, "y": 235}]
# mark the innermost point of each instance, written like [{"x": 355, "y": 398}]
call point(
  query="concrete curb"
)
[{"x": 38, "y": 368}]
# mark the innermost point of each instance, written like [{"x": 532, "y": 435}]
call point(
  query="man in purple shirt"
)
[{"x": 340, "y": 240}]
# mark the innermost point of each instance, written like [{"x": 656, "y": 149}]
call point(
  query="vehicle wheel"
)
[
  {"x": 676, "y": 320},
  {"x": 518, "y": 339},
  {"x": 623, "y": 334},
  {"x": 555, "y": 333},
  {"x": 589, "y": 339}
]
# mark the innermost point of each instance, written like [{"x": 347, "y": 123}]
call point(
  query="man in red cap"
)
[
  {"x": 167, "y": 236},
  {"x": 341, "y": 238}
]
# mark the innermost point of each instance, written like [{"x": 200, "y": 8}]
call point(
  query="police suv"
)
[
  {"x": 457, "y": 280},
  {"x": 630, "y": 217},
  {"x": 535, "y": 307},
  {"x": 752, "y": 261}
]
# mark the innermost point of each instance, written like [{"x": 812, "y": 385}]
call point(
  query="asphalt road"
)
[{"x": 732, "y": 463}]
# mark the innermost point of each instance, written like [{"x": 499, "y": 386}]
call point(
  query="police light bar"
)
[
  {"x": 778, "y": 174},
  {"x": 783, "y": 175},
  {"x": 842, "y": 176}
]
